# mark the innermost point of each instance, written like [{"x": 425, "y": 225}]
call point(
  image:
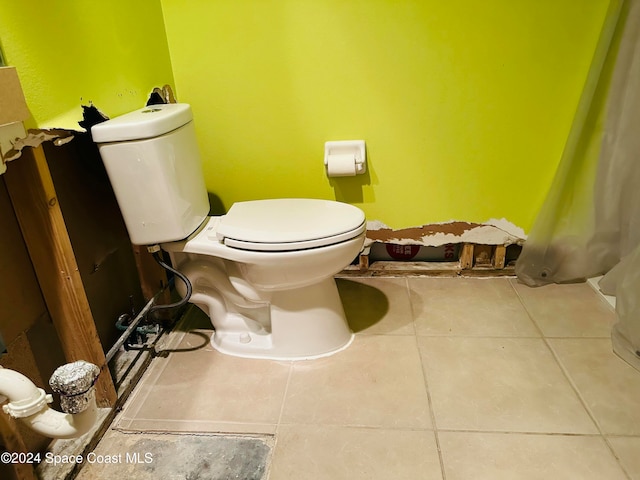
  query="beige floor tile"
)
[
  {"x": 573, "y": 310},
  {"x": 627, "y": 449},
  {"x": 494, "y": 384},
  {"x": 336, "y": 453},
  {"x": 376, "y": 382},
  {"x": 494, "y": 456},
  {"x": 609, "y": 386},
  {"x": 377, "y": 305},
  {"x": 470, "y": 307},
  {"x": 496, "y": 388},
  {"x": 203, "y": 389}
]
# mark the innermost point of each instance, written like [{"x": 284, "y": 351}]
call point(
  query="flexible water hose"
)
[{"x": 185, "y": 280}]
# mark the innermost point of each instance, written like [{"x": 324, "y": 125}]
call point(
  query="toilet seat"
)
[{"x": 278, "y": 225}]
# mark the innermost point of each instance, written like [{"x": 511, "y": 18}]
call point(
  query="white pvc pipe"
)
[
  {"x": 54, "y": 424},
  {"x": 29, "y": 403},
  {"x": 18, "y": 388}
]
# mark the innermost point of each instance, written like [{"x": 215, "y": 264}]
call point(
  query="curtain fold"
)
[{"x": 589, "y": 224}]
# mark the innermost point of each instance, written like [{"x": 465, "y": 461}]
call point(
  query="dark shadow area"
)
[
  {"x": 201, "y": 338},
  {"x": 193, "y": 318},
  {"x": 100, "y": 241},
  {"x": 216, "y": 207},
  {"x": 349, "y": 189},
  {"x": 363, "y": 304},
  {"x": 191, "y": 322}
]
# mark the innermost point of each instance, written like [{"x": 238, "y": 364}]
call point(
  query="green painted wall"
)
[
  {"x": 73, "y": 52},
  {"x": 465, "y": 105}
]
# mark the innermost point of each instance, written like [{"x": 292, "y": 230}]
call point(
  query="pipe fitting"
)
[
  {"x": 25, "y": 399},
  {"x": 75, "y": 384}
]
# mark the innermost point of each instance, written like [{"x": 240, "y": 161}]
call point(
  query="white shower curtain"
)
[{"x": 589, "y": 224}]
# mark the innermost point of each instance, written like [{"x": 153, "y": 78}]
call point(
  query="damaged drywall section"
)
[
  {"x": 464, "y": 245},
  {"x": 13, "y": 111},
  {"x": 161, "y": 95},
  {"x": 91, "y": 116},
  {"x": 35, "y": 137},
  {"x": 14, "y": 138},
  {"x": 491, "y": 232}
]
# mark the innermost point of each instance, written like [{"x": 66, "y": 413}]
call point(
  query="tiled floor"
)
[{"x": 448, "y": 378}]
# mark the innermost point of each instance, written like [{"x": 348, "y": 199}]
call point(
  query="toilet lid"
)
[{"x": 289, "y": 224}]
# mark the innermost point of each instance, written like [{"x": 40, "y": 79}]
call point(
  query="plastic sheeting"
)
[{"x": 590, "y": 222}]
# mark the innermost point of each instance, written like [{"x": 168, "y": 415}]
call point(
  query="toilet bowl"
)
[
  {"x": 263, "y": 272},
  {"x": 273, "y": 299}
]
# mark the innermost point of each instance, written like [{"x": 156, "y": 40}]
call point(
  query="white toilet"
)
[{"x": 264, "y": 271}]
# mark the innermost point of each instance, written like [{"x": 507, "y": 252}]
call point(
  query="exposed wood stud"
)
[
  {"x": 473, "y": 259},
  {"x": 499, "y": 256},
  {"x": 34, "y": 200},
  {"x": 364, "y": 262},
  {"x": 466, "y": 256}
]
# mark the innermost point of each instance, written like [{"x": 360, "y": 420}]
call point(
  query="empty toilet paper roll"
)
[{"x": 341, "y": 165}]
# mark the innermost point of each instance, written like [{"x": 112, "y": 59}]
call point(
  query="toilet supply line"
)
[
  {"x": 155, "y": 251},
  {"x": 150, "y": 307}
]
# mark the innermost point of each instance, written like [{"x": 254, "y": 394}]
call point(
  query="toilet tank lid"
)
[{"x": 148, "y": 122}]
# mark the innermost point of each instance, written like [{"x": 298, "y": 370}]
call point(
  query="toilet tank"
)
[{"x": 153, "y": 163}]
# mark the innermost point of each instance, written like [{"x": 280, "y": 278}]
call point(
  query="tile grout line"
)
[
  {"x": 595, "y": 421},
  {"x": 284, "y": 396},
  {"x": 148, "y": 380},
  {"x": 413, "y": 314},
  {"x": 434, "y": 425},
  {"x": 524, "y": 306},
  {"x": 574, "y": 387},
  {"x": 432, "y": 414},
  {"x": 276, "y": 433},
  {"x": 565, "y": 373}
]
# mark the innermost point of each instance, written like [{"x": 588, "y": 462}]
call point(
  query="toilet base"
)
[
  {"x": 261, "y": 348},
  {"x": 306, "y": 323}
]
